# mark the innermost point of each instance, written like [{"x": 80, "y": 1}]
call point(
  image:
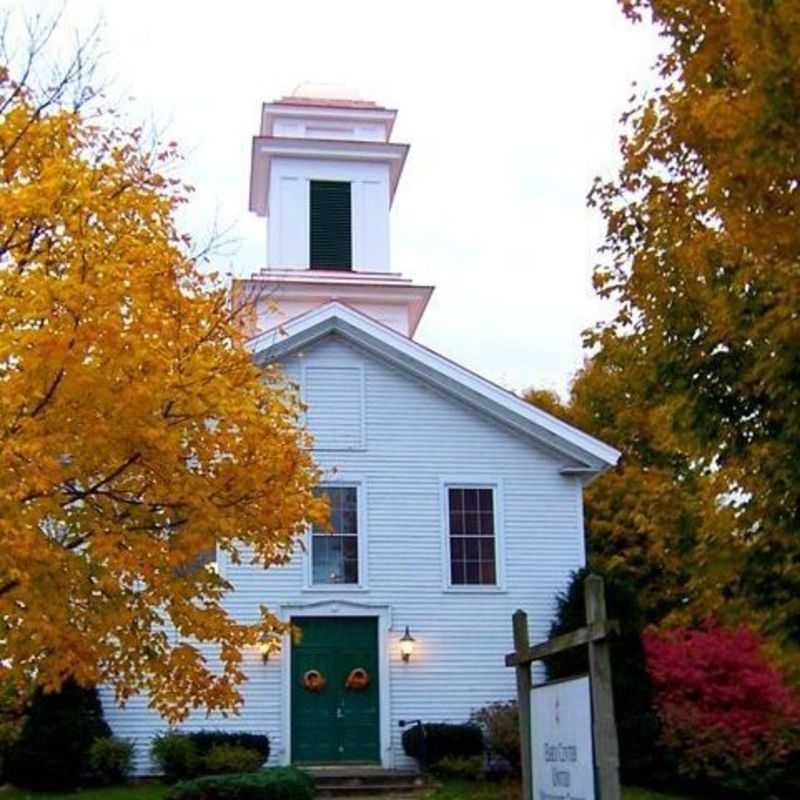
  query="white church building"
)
[{"x": 454, "y": 502}]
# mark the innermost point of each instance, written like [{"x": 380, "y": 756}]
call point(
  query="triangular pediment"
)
[{"x": 587, "y": 455}]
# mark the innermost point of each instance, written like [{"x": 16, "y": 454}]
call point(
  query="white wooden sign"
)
[{"x": 561, "y": 741}]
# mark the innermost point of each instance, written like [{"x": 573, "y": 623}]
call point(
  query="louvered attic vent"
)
[{"x": 331, "y": 227}]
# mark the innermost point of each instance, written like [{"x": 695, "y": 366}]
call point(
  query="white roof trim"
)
[
  {"x": 269, "y": 111},
  {"x": 433, "y": 368}
]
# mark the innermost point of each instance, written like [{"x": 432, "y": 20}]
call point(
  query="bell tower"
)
[{"x": 324, "y": 174}]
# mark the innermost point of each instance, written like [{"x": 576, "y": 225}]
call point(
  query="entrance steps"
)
[{"x": 364, "y": 782}]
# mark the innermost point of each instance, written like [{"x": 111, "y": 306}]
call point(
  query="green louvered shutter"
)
[{"x": 331, "y": 234}]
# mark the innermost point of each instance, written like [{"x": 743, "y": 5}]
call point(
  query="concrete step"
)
[
  {"x": 363, "y": 782},
  {"x": 367, "y": 790}
]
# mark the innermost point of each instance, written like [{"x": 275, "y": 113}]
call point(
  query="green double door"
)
[{"x": 336, "y": 722}]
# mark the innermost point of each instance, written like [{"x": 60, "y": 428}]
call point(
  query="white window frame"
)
[
  {"x": 361, "y": 513},
  {"x": 496, "y": 487}
]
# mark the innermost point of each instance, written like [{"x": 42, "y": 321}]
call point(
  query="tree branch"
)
[
  {"x": 49, "y": 394},
  {"x": 82, "y": 494}
]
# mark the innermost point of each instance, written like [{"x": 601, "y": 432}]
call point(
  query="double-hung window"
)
[
  {"x": 471, "y": 536},
  {"x": 334, "y": 553}
]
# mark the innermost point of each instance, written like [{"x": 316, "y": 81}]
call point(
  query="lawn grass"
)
[
  {"x": 142, "y": 791},
  {"x": 464, "y": 790},
  {"x": 452, "y": 790},
  {"x": 469, "y": 790},
  {"x": 632, "y": 793}
]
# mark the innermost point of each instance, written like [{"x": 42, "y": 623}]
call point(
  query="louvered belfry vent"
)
[{"x": 331, "y": 227}]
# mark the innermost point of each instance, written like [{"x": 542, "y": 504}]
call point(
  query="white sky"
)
[{"x": 510, "y": 108}]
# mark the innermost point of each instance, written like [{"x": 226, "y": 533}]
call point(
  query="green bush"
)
[
  {"x": 231, "y": 758},
  {"x": 459, "y": 768},
  {"x": 641, "y": 762},
  {"x": 279, "y": 783},
  {"x": 442, "y": 740},
  {"x": 176, "y": 756},
  {"x": 110, "y": 759},
  {"x": 204, "y": 741},
  {"x": 181, "y": 755},
  {"x": 12, "y": 718},
  {"x": 52, "y": 751},
  {"x": 500, "y": 725}
]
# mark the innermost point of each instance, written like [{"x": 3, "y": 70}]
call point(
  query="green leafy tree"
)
[
  {"x": 637, "y": 724},
  {"x": 52, "y": 751}
]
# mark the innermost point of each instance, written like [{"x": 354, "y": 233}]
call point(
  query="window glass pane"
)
[
  {"x": 325, "y": 559},
  {"x": 349, "y": 521},
  {"x": 350, "y": 546},
  {"x": 471, "y": 523},
  {"x": 343, "y": 509},
  {"x": 470, "y": 499},
  {"x": 471, "y": 532},
  {"x": 350, "y": 571},
  {"x": 334, "y": 554}
]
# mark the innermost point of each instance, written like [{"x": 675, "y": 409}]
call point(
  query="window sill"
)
[
  {"x": 334, "y": 587},
  {"x": 475, "y": 590}
]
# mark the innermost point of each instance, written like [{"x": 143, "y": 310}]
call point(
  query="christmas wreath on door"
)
[
  {"x": 357, "y": 680},
  {"x": 314, "y": 681}
]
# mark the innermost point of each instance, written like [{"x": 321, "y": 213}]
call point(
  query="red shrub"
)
[{"x": 726, "y": 714}]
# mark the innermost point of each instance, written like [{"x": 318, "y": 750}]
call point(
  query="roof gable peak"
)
[{"x": 441, "y": 372}]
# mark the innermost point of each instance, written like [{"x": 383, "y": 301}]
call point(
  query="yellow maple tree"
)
[
  {"x": 135, "y": 431},
  {"x": 702, "y": 260},
  {"x": 643, "y": 516}
]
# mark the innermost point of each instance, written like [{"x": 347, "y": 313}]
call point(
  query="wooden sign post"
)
[{"x": 604, "y": 730}]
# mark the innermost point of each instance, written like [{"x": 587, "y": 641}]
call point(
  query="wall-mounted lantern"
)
[
  {"x": 268, "y": 645},
  {"x": 407, "y": 645}
]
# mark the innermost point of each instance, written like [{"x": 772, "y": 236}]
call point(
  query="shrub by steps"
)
[{"x": 279, "y": 783}]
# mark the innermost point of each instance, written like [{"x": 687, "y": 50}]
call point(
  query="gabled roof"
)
[{"x": 592, "y": 455}]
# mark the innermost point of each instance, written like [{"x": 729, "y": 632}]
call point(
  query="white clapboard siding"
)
[
  {"x": 415, "y": 439},
  {"x": 334, "y": 395}
]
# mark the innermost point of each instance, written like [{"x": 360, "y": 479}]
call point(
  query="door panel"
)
[
  {"x": 313, "y": 715},
  {"x": 337, "y": 724}
]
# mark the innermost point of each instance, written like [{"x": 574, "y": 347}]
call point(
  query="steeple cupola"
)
[{"x": 324, "y": 174}]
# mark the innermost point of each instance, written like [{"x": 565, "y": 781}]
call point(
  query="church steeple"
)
[{"x": 324, "y": 173}]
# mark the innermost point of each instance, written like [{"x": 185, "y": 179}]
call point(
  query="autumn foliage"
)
[
  {"x": 695, "y": 377},
  {"x": 726, "y": 715},
  {"x": 702, "y": 261},
  {"x": 135, "y": 431}
]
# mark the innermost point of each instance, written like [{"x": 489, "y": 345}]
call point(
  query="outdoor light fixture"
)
[{"x": 407, "y": 645}]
